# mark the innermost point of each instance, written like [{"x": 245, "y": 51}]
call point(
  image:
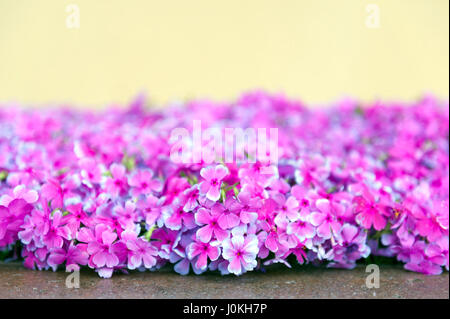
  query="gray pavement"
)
[{"x": 277, "y": 282}]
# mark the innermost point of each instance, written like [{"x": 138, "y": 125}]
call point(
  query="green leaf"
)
[
  {"x": 148, "y": 234},
  {"x": 129, "y": 162},
  {"x": 3, "y": 175}
]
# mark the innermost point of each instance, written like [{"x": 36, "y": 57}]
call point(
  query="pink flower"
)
[
  {"x": 324, "y": 220},
  {"x": 126, "y": 214},
  {"x": 213, "y": 177},
  {"x": 142, "y": 183},
  {"x": 101, "y": 248},
  {"x": 438, "y": 252},
  {"x": 241, "y": 253},
  {"x": 287, "y": 208},
  {"x": 369, "y": 212},
  {"x": 177, "y": 218},
  {"x": 11, "y": 218},
  {"x": 91, "y": 172},
  {"x": 302, "y": 228},
  {"x": 53, "y": 193},
  {"x": 190, "y": 197},
  {"x": 151, "y": 207},
  {"x": 117, "y": 184},
  {"x": 175, "y": 186},
  {"x": 141, "y": 252},
  {"x": 203, "y": 251},
  {"x": 57, "y": 232},
  {"x": 73, "y": 256},
  {"x": 76, "y": 218},
  {"x": 249, "y": 207},
  {"x": 210, "y": 220},
  {"x": 228, "y": 213}
]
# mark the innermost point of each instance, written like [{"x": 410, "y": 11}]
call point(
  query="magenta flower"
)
[
  {"x": 11, "y": 218},
  {"x": 369, "y": 213},
  {"x": 288, "y": 208},
  {"x": 213, "y": 177},
  {"x": 249, "y": 208},
  {"x": 126, "y": 215},
  {"x": 351, "y": 247},
  {"x": 76, "y": 218},
  {"x": 190, "y": 198}
]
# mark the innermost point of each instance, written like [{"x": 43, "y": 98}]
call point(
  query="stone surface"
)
[{"x": 277, "y": 282}]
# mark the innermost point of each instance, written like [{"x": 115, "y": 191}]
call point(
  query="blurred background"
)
[{"x": 317, "y": 51}]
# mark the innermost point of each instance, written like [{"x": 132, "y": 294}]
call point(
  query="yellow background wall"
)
[{"x": 317, "y": 50}]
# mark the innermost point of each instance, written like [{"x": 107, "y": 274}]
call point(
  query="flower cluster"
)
[{"x": 99, "y": 189}]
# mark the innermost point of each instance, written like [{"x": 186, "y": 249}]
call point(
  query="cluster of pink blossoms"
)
[{"x": 98, "y": 189}]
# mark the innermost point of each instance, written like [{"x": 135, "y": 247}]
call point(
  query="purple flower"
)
[{"x": 351, "y": 247}]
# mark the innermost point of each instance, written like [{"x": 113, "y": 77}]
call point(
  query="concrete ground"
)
[{"x": 277, "y": 282}]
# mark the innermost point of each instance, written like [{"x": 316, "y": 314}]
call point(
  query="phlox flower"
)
[
  {"x": 203, "y": 251},
  {"x": 241, "y": 253},
  {"x": 118, "y": 183},
  {"x": 302, "y": 228},
  {"x": 91, "y": 172},
  {"x": 11, "y": 218},
  {"x": 142, "y": 183},
  {"x": 141, "y": 253},
  {"x": 151, "y": 208},
  {"x": 74, "y": 256},
  {"x": 125, "y": 214},
  {"x": 178, "y": 218},
  {"x": 101, "y": 243},
  {"x": 351, "y": 247},
  {"x": 209, "y": 220},
  {"x": 324, "y": 220},
  {"x": 213, "y": 176},
  {"x": 369, "y": 212}
]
